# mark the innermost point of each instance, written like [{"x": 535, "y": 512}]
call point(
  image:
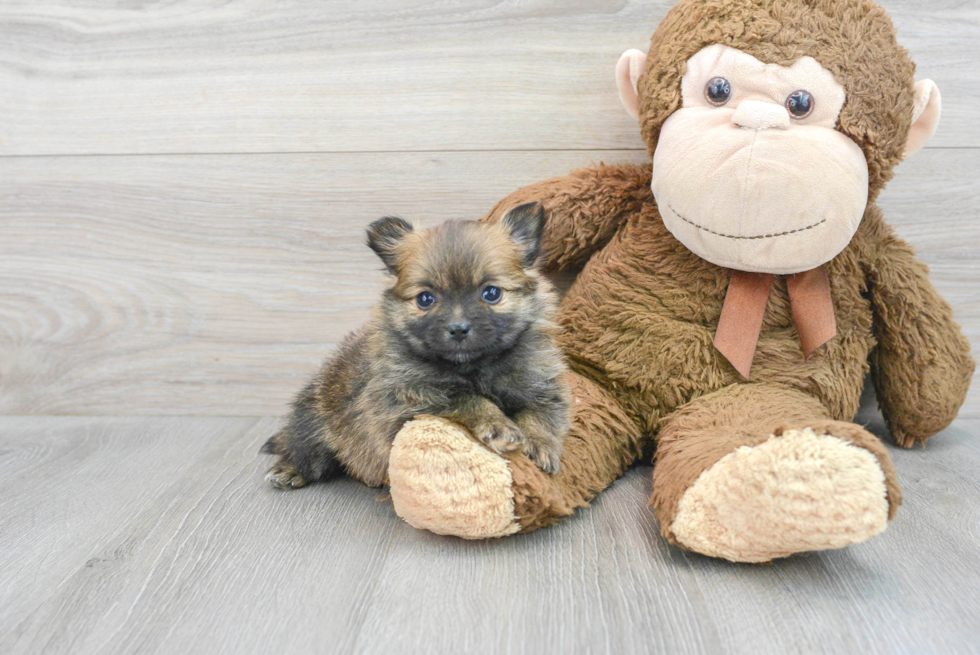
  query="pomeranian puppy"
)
[{"x": 465, "y": 333}]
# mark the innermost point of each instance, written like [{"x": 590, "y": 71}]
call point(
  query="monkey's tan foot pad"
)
[
  {"x": 798, "y": 492},
  {"x": 443, "y": 481}
]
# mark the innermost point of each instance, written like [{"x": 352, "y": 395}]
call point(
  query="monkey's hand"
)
[
  {"x": 922, "y": 366},
  {"x": 583, "y": 210}
]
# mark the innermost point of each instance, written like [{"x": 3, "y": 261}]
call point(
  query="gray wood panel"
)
[
  {"x": 68, "y": 486},
  {"x": 105, "y": 553},
  {"x": 215, "y": 284},
  {"x": 242, "y": 76},
  {"x": 150, "y": 282},
  {"x": 207, "y": 284}
]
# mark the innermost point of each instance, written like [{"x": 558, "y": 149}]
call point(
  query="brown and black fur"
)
[
  {"x": 500, "y": 376},
  {"x": 639, "y": 321}
]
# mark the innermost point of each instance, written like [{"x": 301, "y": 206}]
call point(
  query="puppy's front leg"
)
[
  {"x": 544, "y": 431},
  {"x": 486, "y": 422}
]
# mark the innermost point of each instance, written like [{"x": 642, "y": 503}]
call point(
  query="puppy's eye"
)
[
  {"x": 425, "y": 300},
  {"x": 718, "y": 91},
  {"x": 800, "y": 104},
  {"x": 491, "y": 294}
]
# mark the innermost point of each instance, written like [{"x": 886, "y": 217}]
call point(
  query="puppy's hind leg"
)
[
  {"x": 304, "y": 455},
  {"x": 283, "y": 474}
]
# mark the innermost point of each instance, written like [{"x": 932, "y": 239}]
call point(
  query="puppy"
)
[{"x": 465, "y": 333}]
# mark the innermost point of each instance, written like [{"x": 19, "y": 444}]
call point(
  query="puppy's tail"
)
[{"x": 270, "y": 447}]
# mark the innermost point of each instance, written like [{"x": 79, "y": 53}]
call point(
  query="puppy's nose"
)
[
  {"x": 758, "y": 115},
  {"x": 458, "y": 331}
]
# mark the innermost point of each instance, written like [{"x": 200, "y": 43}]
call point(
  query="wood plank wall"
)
[{"x": 184, "y": 186}]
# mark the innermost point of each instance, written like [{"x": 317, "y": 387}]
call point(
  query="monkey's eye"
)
[
  {"x": 718, "y": 91},
  {"x": 800, "y": 104},
  {"x": 491, "y": 294},
  {"x": 425, "y": 300}
]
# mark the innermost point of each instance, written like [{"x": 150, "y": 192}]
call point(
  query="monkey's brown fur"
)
[
  {"x": 640, "y": 319},
  {"x": 502, "y": 379}
]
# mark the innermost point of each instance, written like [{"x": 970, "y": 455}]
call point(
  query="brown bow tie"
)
[{"x": 745, "y": 306}]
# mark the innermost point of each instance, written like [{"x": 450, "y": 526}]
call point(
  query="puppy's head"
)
[{"x": 465, "y": 289}]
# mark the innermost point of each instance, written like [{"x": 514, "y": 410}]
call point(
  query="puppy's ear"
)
[
  {"x": 526, "y": 226},
  {"x": 383, "y": 237}
]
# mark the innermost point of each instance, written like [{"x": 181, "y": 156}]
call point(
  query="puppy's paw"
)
[
  {"x": 546, "y": 455},
  {"x": 501, "y": 434},
  {"x": 285, "y": 476}
]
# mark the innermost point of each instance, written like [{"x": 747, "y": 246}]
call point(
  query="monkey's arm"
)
[
  {"x": 922, "y": 366},
  {"x": 583, "y": 209}
]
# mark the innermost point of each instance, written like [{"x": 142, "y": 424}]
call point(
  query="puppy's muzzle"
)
[{"x": 459, "y": 331}]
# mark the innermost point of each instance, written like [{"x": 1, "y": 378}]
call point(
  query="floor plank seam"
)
[{"x": 424, "y": 151}]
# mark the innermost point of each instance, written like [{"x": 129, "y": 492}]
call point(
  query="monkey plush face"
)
[
  {"x": 773, "y": 124},
  {"x": 750, "y": 173}
]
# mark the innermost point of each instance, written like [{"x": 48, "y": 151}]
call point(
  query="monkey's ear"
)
[
  {"x": 631, "y": 65},
  {"x": 383, "y": 237},
  {"x": 526, "y": 226},
  {"x": 926, "y": 109}
]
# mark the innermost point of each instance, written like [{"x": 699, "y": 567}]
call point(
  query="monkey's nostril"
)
[
  {"x": 758, "y": 115},
  {"x": 459, "y": 331}
]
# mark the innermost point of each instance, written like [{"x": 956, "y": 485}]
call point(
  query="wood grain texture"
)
[
  {"x": 214, "y": 285},
  {"x": 206, "y": 284},
  {"x": 68, "y": 485},
  {"x": 84, "y": 77},
  {"x": 150, "y": 282},
  {"x": 195, "y": 553}
]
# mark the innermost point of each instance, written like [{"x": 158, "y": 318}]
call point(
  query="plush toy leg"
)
[
  {"x": 444, "y": 481},
  {"x": 755, "y": 472}
]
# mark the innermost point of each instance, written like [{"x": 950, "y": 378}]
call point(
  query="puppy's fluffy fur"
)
[{"x": 479, "y": 350}]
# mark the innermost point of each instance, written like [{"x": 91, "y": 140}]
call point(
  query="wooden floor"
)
[
  {"x": 183, "y": 191},
  {"x": 133, "y": 534}
]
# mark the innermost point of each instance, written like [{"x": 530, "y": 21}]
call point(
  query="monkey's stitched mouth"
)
[{"x": 734, "y": 236}]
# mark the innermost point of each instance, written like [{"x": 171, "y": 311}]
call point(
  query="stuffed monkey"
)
[{"x": 731, "y": 297}]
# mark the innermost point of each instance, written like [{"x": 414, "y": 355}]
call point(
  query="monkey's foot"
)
[
  {"x": 444, "y": 481},
  {"x": 798, "y": 491}
]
